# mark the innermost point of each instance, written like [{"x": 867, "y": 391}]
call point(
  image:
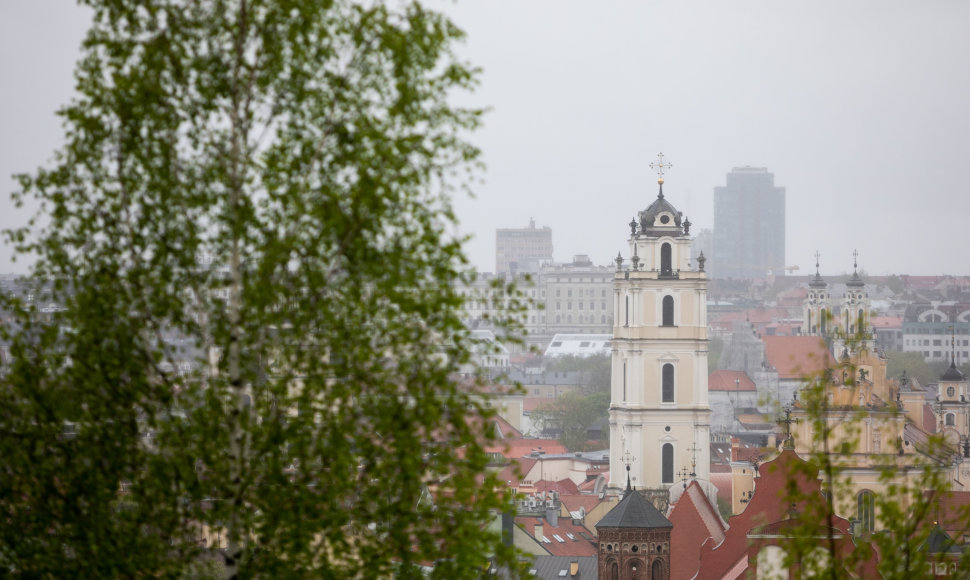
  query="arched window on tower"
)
[
  {"x": 667, "y": 463},
  {"x": 615, "y": 572},
  {"x": 822, "y": 315},
  {"x": 811, "y": 328},
  {"x": 666, "y": 269},
  {"x": 667, "y": 382},
  {"x": 626, "y": 311},
  {"x": 668, "y": 311},
  {"x": 656, "y": 570},
  {"x": 860, "y": 321}
]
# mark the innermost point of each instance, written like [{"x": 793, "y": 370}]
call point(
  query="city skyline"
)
[{"x": 858, "y": 110}]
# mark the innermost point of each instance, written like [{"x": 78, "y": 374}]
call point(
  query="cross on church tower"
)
[
  {"x": 660, "y": 167},
  {"x": 693, "y": 459},
  {"x": 684, "y": 476},
  {"x": 817, "y": 256},
  {"x": 787, "y": 422},
  {"x": 628, "y": 459}
]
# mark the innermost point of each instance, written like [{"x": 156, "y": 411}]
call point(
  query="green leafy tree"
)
[
  {"x": 594, "y": 369},
  {"x": 248, "y": 229},
  {"x": 890, "y": 527},
  {"x": 913, "y": 364},
  {"x": 571, "y": 415}
]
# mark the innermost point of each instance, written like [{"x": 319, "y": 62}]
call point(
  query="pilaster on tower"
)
[{"x": 659, "y": 408}]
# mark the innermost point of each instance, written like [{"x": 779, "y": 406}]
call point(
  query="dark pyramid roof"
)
[
  {"x": 634, "y": 511},
  {"x": 952, "y": 373},
  {"x": 940, "y": 542}
]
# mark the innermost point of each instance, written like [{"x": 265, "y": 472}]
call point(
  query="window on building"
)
[
  {"x": 867, "y": 510},
  {"x": 950, "y": 419},
  {"x": 668, "y": 311},
  {"x": 558, "y": 305},
  {"x": 667, "y": 382},
  {"x": 666, "y": 268},
  {"x": 569, "y": 292},
  {"x": 667, "y": 463},
  {"x": 626, "y": 311}
]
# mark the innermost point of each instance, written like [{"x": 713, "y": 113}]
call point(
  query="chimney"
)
[
  {"x": 735, "y": 448},
  {"x": 552, "y": 514},
  {"x": 574, "y": 569},
  {"x": 538, "y": 531}
]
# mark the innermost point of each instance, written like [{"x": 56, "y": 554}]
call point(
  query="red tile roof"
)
[
  {"x": 571, "y": 540},
  {"x": 695, "y": 521},
  {"x": 768, "y": 506},
  {"x": 886, "y": 321},
  {"x": 516, "y": 448},
  {"x": 724, "y": 482},
  {"x": 724, "y": 381},
  {"x": 797, "y": 356},
  {"x": 562, "y": 486}
]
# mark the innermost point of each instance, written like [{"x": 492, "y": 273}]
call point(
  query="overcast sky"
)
[{"x": 860, "y": 109}]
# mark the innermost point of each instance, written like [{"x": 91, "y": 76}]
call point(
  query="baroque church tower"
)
[
  {"x": 846, "y": 327},
  {"x": 659, "y": 411},
  {"x": 817, "y": 309}
]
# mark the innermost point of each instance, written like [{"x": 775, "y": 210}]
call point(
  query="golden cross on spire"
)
[{"x": 660, "y": 167}]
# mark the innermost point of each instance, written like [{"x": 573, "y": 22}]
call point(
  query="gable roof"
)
[
  {"x": 768, "y": 504},
  {"x": 695, "y": 522},
  {"x": 724, "y": 381},
  {"x": 634, "y": 511},
  {"x": 796, "y": 357}
]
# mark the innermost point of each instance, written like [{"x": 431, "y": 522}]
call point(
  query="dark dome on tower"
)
[{"x": 660, "y": 218}]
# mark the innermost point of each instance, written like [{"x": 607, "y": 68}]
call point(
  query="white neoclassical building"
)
[{"x": 659, "y": 414}]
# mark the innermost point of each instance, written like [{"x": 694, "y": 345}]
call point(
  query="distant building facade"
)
[
  {"x": 749, "y": 225},
  {"x": 578, "y": 297},
  {"x": 573, "y": 298},
  {"x": 938, "y": 331},
  {"x": 522, "y": 250}
]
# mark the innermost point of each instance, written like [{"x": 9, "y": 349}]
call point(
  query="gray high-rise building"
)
[
  {"x": 522, "y": 250},
  {"x": 749, "y": 226}
]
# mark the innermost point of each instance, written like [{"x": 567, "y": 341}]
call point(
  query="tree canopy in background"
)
[
  {"x": 595, "y": 369},
  {"x": 248, "y": 231}
]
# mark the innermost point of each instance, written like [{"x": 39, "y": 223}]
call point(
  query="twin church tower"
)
[{"x": 659, "y": 413}]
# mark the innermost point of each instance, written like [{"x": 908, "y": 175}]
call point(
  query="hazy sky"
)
[{"x": 860, "y": 109}]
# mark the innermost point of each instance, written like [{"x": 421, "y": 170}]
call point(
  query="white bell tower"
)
[{"x": 659, "y": 412}]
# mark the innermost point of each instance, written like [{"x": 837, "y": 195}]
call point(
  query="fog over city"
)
[{"x": 859, "y": 110}]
